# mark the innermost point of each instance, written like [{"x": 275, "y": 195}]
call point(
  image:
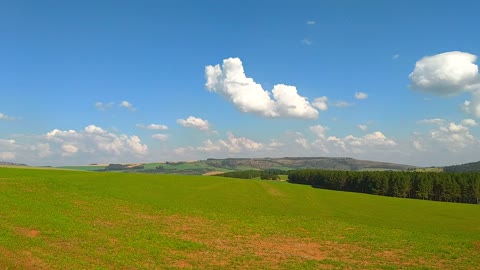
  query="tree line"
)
[
  {"x": 270, "y": 174},
  {"x": 448, "y": 187}
]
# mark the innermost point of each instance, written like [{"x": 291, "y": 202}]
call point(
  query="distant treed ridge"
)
[{"x": 448, "y": 187}]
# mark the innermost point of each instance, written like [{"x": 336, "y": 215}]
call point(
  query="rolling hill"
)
[
  {"x": 467, "y": 167},
  {"x": 233, "y": 164},
  {"x": 63, "y": 219}
]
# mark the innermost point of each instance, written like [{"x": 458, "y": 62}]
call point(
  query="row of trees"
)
[
  {"x": 450, "y": 187},
  {"x": 270, "y": 174}
]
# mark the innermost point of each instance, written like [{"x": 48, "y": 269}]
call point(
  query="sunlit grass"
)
[{"x": 57, "y": 219}]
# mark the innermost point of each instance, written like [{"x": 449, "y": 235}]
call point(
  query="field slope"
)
[{"x": 59, "y": 219}]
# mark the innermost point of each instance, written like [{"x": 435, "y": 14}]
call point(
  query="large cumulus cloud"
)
[
  {"x": 230, "y": 81},
  {"x": 449, "y": 74}
]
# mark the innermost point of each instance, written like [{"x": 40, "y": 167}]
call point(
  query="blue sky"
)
[{"x": 81, "y": 81}]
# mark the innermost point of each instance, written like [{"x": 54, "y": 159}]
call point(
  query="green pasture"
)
[{"x": 60, "y": 219}]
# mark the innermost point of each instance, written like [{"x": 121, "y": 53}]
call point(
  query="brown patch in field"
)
[
  {"x": 23, "y": 259},
  {"x": 27, "y": 232},
  {"x": 182, "y": 264},
  {"x": 103, "y": 223},
  {"x": 129, "y": 166},
  {"x": 225, "y": 247},
  {"x": 477, "y": 245},
  {"x": 270, "y": 189},
  {"x": 213, "y": 173},
  {"x": 80, "y": 202},
  {"x": 32, "y": 262}
]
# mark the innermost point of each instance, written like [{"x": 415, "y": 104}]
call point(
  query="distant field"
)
[
  {"x": 84, "y": 168},
  {"x": 60, "y": 219},
  {"x": 435, "y": 169}
]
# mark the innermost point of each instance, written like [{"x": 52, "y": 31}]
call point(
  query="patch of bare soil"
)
[
  {"x": 213, "y": 173},
  {"x": 225, "y": 247},
  {"x": 23, "y": 259},
  {"x": 272, "y": 190},
  {"x": 31, "y": 233}
]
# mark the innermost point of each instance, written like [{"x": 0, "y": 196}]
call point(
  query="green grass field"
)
[{"x": 60, "y": 219}]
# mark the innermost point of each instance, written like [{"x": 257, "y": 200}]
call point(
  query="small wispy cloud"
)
[
  {"x": 160, "y": 137},
  {"x": 153, "y": 127},
  {"x": 194, "y": 122},
  {"x": 432, "y": 121},
  {"x": 362, "y": 127},
  {"x": 306, "y": 41},
  {"x": 127, "y": 105},
  {"x": 361, "y": 95},
  {"x": 103, "y": 106},
  {"x": 7, "y": 117},
  {"x": 311, "y": 22},
  {"x": 395, "y": 56},
  {"x": 341, "y": 104},
  {"x": 321, "y": 103}
]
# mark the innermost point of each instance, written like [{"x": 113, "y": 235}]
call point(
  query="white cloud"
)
[
  {"x": 306, "y": 41},
  {"x": 362, "y": 127},
  {"x": 289, "y": 103},
  {"x": 446, "y": 135},
  {"x": 94, "y": 130},
  {"x": 341, "y": 104},
  {"x": 303, "y": 142},
  {"x": 433, "y": 121},
  {"x": 321, "y": 103},
  {"x": 453, "y": 136},
  {"x": 103, "y": 106},
  {"x": 446, "y": 74},
  {"x": 350, "y": 143},
  {"x": 473, "y": 106},
  {"x": 93, "y": 140},
  {"x": 153, "y": 127},
  {"x": 160, "y": 137},
  {"x": 8, "y": 149},
  {"x": 395, "y": 56},
  {"x": 248, "y": 96},
  {"x": 319, "y": 130},
  {"x": 7, "y": 156},
  {"x": 418, "y": 146},
  {"x": 194, "y": 122},
  {"x": 311, "y": 22},
  {"x": 469, "y": 122},
  {"x": 361, "y": 95},
  {"x": 450, "y": 136},
  {"x": 127, "y": 105},
  {"x": 43, "y": 150},
  {"x": 6, "y": 117},
  {"x": 69, "y": 149},
  {"x": 230, "y": 145}
]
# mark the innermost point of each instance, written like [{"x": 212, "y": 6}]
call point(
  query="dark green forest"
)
[
  {"x": 270, "y": 174},
  {"x": 448, "y": 187},
  {"x": 467, "y": 167}
]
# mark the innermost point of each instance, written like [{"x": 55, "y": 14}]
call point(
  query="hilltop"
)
[
  {"x": 467, "y": 167},
  {"x": 7, "y": 163},
  {"x": 233, "y": 164}
]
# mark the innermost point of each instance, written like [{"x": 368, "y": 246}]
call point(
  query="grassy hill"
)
[
  {"x": 234, "y": 164},
  {"x": 58, "y": 219},
  {"x": 467, "y": 167}
]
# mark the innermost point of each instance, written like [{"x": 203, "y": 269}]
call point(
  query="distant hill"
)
[
  {"x": 236, "y": 164},
  {"x": 467, "y": 167},
  {"x": 7, "y": 163},
  {"x": 288, "y": 163}
]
